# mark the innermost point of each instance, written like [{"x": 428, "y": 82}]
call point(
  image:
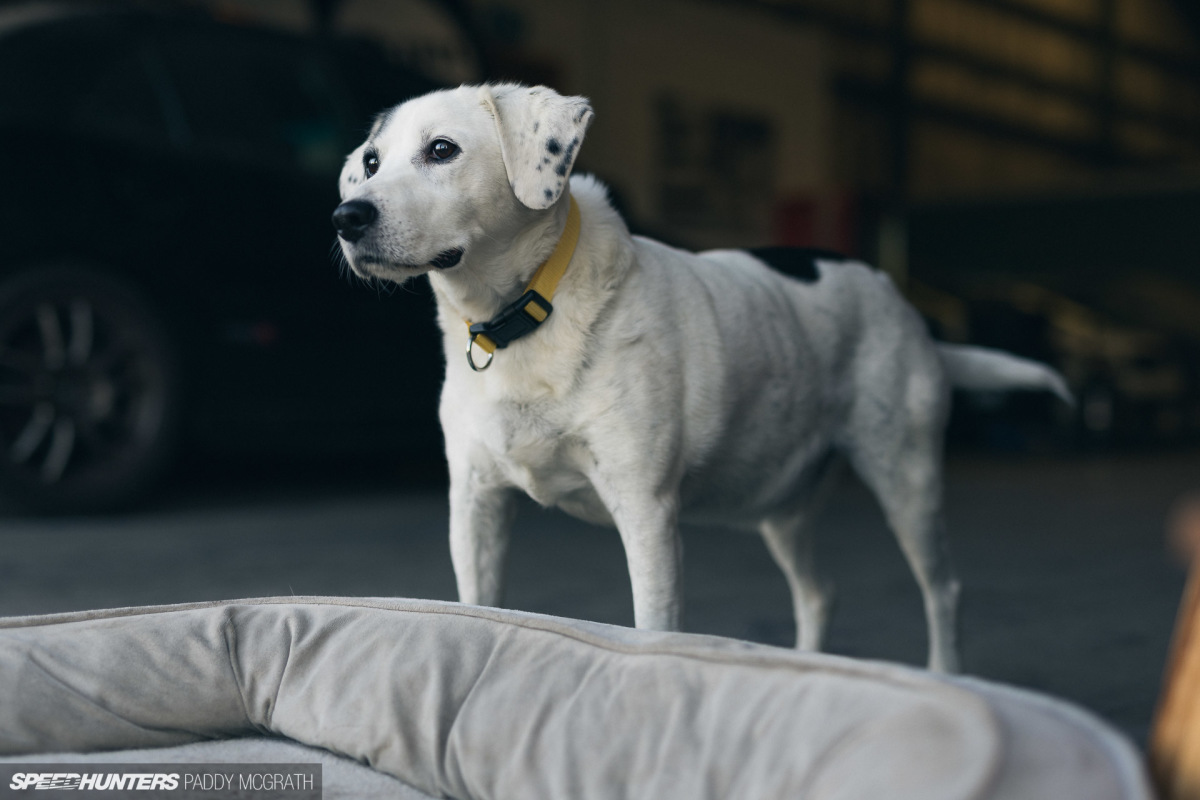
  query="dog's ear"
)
[{"x": 540, "y": 134}]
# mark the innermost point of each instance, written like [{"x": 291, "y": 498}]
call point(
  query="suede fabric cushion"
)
[{"x": 466, "y": 702}]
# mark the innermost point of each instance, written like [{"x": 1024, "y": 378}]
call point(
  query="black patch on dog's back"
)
[{"x": 797, "y": 262}]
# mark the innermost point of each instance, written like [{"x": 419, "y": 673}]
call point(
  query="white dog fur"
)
[{"x": 665, "y": 385}]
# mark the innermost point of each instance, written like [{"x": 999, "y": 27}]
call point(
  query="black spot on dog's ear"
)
[
  {"x": 536, "y": 125},
  {"x": 798, "y": 262},
  {"x": 553, "y": 146},
  {"x": 549, "y": 194},
  {"x": 565, "y": 164}
]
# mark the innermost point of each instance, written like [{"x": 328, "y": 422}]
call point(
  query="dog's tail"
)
[{"x": 984, "y": 369}]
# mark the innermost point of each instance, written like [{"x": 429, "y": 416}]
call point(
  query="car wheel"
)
[{"x": 88, "y": 391}]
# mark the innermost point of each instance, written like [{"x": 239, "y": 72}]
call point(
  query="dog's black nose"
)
[{"x": 352, "y": 218}]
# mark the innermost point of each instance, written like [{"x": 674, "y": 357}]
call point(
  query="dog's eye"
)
[
  {"x": 442, "y": 150},
  {"x": 370, "y": 163}
]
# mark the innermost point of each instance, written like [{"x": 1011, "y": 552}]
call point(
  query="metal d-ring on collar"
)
[
  {"x": 533, "y": 308},
  {"x": 471, "y": 357}
]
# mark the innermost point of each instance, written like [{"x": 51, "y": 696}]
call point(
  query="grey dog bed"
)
[{"x": 412, "y": 699}]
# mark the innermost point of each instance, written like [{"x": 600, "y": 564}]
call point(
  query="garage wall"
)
[{"x": 705, "y": 117}]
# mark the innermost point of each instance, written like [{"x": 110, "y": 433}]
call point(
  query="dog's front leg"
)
[
  {"x": 649, "y": 530},
  {"x": 481, "y": 515},
  {"x": 654, "y": 554}
]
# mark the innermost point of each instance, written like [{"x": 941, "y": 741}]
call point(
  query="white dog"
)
[{"x": 648, "y": 385}]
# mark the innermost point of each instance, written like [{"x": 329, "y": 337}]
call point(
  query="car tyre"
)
[{"x": 89, "y": 391}]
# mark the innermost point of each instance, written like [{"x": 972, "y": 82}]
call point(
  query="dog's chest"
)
[{"x": 538, "y": 449}]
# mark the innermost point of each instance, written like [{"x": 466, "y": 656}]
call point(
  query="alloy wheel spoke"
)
[
  {"x": 34, "y": 432},
  {"x": 53, "y": 350},
  {"x": 82, "y": 332},
  {"x": 62, "y": 444}
]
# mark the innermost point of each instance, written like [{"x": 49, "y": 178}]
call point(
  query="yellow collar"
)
[{"x": 531, "y": 310}]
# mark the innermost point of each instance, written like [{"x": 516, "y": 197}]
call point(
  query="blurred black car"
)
[{"x": 167, "y": 275}]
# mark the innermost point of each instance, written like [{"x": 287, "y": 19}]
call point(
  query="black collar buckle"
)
[{"x": 515, "y": 320}]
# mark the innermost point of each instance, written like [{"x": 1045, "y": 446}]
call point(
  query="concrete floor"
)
[{"x": 1067, "y": 585}]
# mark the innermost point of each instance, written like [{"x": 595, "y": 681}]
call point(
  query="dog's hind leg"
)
[
  {"x": 912, "y": 509},
  {"x": 481, "y": 517},
  {"x": 907, "y": 480},
  {"x": 790, "y": 540},
  {"x": 893, "y": 439}
]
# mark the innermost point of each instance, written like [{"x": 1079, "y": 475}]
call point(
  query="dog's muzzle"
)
[{"x": 352, "y": 219}]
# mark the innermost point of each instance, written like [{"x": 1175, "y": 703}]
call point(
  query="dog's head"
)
[{"x": 452, "y": 172}]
